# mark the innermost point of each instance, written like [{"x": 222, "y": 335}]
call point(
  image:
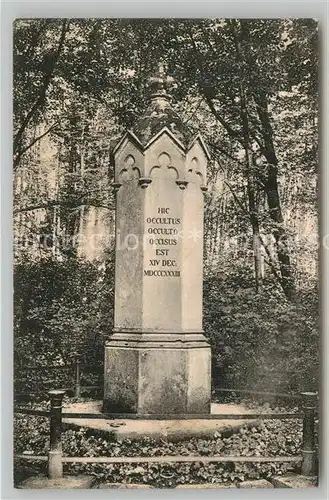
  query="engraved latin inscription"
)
[{"x": 162, "y": 233}]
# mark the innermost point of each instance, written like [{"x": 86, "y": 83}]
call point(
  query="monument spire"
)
[{"x": 160, "y": 83}]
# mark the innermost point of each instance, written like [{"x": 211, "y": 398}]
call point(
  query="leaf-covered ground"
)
[{"x": 270, "y": 437}]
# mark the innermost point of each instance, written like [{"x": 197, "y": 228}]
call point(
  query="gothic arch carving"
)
[
  {"x": 129, "y": 171},
  {"x": 194, "y": 173},
  {"x": 164, "y": 168},
  {"x": 196, "y": 177},
  {"x": 129, "y": 161},
  {"x": 169, "y": 172}
]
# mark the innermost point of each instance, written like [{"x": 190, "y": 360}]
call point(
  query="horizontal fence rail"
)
[
  {"x": 55, "y": 457},
  {"x": 133, "y": 416},
  {"x": 259, "y": 393},
  {"x": 77, "y": 388},
  {"x": 168, "y": 459},
  {"x": 231, "y": 416},
  {"x": 45, "y": 367},
  {"x": 74, "y": 368}
]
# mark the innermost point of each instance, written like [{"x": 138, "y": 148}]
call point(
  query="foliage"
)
[
  {"x": 270, "y": 438},
  {"x": 60, "y": 308},
  {"x": 259, "y": 341}
]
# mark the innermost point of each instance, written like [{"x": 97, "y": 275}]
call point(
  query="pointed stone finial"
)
[{"x": 160, "y": 83}]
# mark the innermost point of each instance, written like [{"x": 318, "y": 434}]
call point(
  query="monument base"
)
[{"x": 169, "y": 375}]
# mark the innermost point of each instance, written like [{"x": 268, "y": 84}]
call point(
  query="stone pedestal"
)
[
  {"x": 157, "y": 360},
  {"x": 157, "y": 380}
]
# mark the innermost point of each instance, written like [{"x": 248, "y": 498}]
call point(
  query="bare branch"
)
[
  {"x": 47, "y": 79},
  {"x": 35, "y": 140},
  {"x": 232, "y": 133},
  {"x": 51, "y": 204},
  {"x": 222, "y": 150},
  {"x": 239, "y": 202}
]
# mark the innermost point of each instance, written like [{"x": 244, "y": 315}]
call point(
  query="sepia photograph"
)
[{"x": 166, "y": 253}]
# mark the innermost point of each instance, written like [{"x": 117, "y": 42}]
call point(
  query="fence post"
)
[
  {"x": 308, "y": 451},
  {"x": 77, "y": 386},
  {"x": 55, "y": 466}
]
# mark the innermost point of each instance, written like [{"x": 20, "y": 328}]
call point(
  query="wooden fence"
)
[
  {"x": 76, "y": 389},
  {"x": 55, "y": 458},
  {"x": 74, "y": 376}
]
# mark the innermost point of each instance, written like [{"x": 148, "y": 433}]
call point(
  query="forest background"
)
[{"x": 251, "y": 88}]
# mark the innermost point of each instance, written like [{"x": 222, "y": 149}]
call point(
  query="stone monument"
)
[{"x": 157, "y": 360}]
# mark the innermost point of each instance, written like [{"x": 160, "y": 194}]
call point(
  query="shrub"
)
[
  {"x": 60, "y": 308},
  {"x": 261, "y": 341}
]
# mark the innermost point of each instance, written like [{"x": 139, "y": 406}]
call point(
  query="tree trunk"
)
[
  {"x": 252, "y": 202},
  {"x": 270, "y": 182}
]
